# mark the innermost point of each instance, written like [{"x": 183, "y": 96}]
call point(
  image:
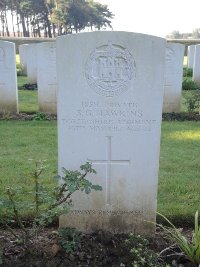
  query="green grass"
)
[
  {"x": 23, "y": 143},
  {"x": 17, "y": 59},
  {"x": 28, "y": 101},
  {"x": 179, "y": 177},
  {"x": 21, "y": 80},
  {"x": 185, "y": 61}
]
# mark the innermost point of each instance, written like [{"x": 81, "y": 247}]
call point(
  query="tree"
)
[
  {"x": 196, "y": 34},
  {"x": 76, "y": 15},
  {"x": 101, "y": 16},
  {"x": 54, "y": 16},
  {"x": 3, "y": 16}
]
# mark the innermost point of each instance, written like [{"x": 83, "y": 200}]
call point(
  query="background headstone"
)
[
  {"x": 196, "y": 66},
  {"x": 23, "y": 56},
  {"x": 190, "y": 56},
  {"x": 46, "y": 77},
  {"x": 32, "y": 62},
  {"x": 173, "y": 77},
  {"x": 110, "y": 94},
  {"x": 8, "y": 78}
]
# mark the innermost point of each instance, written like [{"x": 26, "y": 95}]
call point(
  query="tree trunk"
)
[
  {"x": 25, "y": 34},
  {"x": 18, "y": 30},
  {"x": 13, "y": 26},
  {"x": 38, "y": 29},
  {"x": 48, "y": 26},
  {"x": 27, "y": 27},
  {"x": 6, "y": 24},
  {"x": 54, "y": 30}
]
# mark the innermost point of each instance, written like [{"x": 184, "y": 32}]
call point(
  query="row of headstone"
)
[
  {"x": 194, "y": 61},
  {"x": 110, "y": 101},
  {"x": 39, "y": 62}
]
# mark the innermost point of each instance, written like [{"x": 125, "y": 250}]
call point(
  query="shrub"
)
[
  {"x": 187, "y": 72},
  {"x": 189, "y": 84},
  {"x": 193, "y": 102},
  {"x": 45, "y": 205},
  {"x": 40, "y": 116}
]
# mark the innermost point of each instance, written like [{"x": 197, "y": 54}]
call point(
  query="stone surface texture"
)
[
  {"x": 46, "y": 77},
  {"x": 8, "y": 78},
  {"x": 196, "y": 66},
  {"x": 32, "y": 62},
  {"x": 110, "y": 94},
  {"x": 173, "y": 77},
  {"x": 190, "y": 56}
]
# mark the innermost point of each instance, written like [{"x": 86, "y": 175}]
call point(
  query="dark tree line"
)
[{"x": 52, "y": 17}]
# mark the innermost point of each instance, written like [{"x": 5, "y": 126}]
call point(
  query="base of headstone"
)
[
  {"x": 114, "y": 222},
  {"x": 169, "y": 107}
]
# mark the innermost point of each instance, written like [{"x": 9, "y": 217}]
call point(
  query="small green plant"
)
[
  {"x": 189, "y": 84},
  {"x": 45, "y": 205},
  {"x": 69, "y": 239},
  {"x": 40, "y": 116},
  {"x": 193, "y": 101},
  {"x": 187, "y": 72},
  {"x": 190, "y": 248},
  {"x": 141, "y": 253}
]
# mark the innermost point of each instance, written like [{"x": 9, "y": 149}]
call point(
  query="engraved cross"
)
[{"x": 108, "y": 163}]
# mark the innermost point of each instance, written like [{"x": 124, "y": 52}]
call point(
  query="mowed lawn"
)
[
  {"x": 179, "y": 177},
  {"x": 24, "y": 142}
]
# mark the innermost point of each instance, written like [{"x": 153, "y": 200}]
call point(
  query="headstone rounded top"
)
[{"x": 109, "y": 69}]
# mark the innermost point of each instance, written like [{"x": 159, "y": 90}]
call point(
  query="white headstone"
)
[
  {"x": 8, "y": 78},
  {"x": 110, "y": 93},
  {"x": 173, "y": 77},
  {"x": 190, "y": 56},
  {"x": 46, "y": 77},
  {"x": 196, "y": 66},
  {"x": 23, "y": 56},
  {"x": 32, "y": 62}
]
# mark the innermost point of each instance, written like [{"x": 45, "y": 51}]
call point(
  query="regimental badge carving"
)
[{"x": 110, "y": 69}]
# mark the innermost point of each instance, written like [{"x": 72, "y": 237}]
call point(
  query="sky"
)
[{"x": 154, "y": 17}]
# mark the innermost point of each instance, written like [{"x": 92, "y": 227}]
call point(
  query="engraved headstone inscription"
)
[
  {"x": 8, "y": 78},
  {"x": 110, "y": 94},
  {"x": 173, "y": 77},
  {"x": 46, "y": 77}
]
